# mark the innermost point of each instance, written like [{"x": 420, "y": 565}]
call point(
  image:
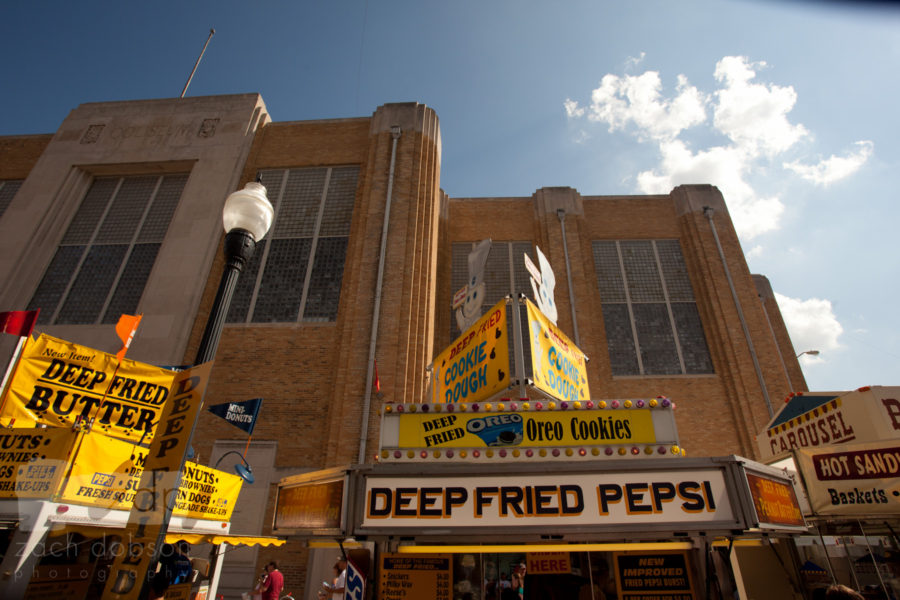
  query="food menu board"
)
[
  {"x": 416, "y": 577},
  {"x": 656, "y": 576}
]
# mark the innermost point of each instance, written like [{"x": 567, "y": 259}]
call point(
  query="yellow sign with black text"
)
[
  {"x": 528, "y": 429},
  {"x": 33, "y": 461},
  {"x": 557, "y": 365},
  {"x": 476, "y": 365},
  {"x": 107, "y": 473},
  {"x": 57, "y": 383},
  {"x": 153, "y": 499}
]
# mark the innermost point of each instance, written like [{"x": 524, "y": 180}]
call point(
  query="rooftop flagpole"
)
[{"x": 212, "y": 32}]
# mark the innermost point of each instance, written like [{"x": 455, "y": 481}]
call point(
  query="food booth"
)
[
  {"x": 845, "y": 449},
  {"x": 83, "y": 482},
  {"x": 450, "y": 510}
]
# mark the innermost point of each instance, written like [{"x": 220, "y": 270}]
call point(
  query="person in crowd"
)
[
  {"x": 517, "y": 581},
  {"x": 271, "y": 589},
  {"x": 181, "y": 564},
  {"x": 340, "y": 581},
  {"x": 165, "y": 572}
]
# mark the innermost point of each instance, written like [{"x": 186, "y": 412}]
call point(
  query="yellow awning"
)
[
  {"x": 216, "y": 539},
  {"x": 172, "y": 536}
]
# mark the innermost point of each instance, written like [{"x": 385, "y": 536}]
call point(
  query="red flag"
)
[
  {"x": 377, "y": 381},
  {"x": 125, "y": 329},
  {"x": 18, "y": 322}
]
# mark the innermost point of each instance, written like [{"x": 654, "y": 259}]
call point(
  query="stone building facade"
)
[{"x": 120, "y": 211}]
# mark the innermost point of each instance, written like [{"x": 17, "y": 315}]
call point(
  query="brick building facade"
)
[{"x": 688, "y": 321}]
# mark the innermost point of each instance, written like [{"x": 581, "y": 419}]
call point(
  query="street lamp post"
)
[
  {"x": 247, "y": 216},
  {"x": 810, "y": 352}
]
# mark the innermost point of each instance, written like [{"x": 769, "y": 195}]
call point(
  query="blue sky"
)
[{"x": 788, "y": 106}]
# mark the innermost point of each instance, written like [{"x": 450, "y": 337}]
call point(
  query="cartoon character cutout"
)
[
  {"x": 543, "y": 291},
  {"x": 470, "y": 311}
]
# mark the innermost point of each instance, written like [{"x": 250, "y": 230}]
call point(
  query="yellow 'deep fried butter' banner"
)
[
  {"x": 526, "y": 429},
  {"x": 557, "y": 365},
  {"x": 107, "y": 473},
  {"x": 476, "y": 365},
  {"x": 56, "y": 382},
  {"x": 33, "y": 461}
]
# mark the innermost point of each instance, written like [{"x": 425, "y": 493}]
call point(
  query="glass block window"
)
[
  {"x": 106, "y": 255},
  {"x": 8, "y": 189},
  {"x": 296, "y": 272},
  {"x": 652, "y": 323},
  {"x": 504, "y": 274}
]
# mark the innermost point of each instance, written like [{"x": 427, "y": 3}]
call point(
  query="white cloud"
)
[
  {"x": 752, "y": 116},
  {"x": 833, "y": 168},
  {"x": 725, "y": 167},
  {"x": 620, "y": 101},
  {"x": 572, "y": 109},
  {"x": 811, "y": 324}
]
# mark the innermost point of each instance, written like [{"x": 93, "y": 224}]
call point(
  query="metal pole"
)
[
  {"x": 376, "y": 309},
  {"x": 874, "y": 562},
  {"x": 518, "y": 351},
  {"x": 239, "y": 247},
  {"x": 212, "y": 32},
  {"x": 827, "y": 558}
]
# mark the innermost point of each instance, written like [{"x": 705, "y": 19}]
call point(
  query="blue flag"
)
[{"x": 240, "y": 414}]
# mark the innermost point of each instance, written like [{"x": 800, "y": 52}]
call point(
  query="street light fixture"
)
[
  {"x": 244, "y": 471},
  {"x": 810, "y": 352},
  {"x": 247, "y": 217}
]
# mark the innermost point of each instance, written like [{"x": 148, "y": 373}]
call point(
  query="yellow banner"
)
[
  {"x": 57, "y": 382},
  {"x": 557, "y": 365},
  {"x": 527, "y": 429},
  {"x": 206, "y": 493},
  {"x": 33, "y": 461},
  {"x": 150, "y": 510},
  {"x": 476, "y": 365},
  {"x": 107, "y": 473}
]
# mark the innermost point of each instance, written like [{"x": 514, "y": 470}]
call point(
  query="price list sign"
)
[{"x": 416, "y": 577}]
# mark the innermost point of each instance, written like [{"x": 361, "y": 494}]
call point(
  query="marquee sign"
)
[
  {"x": 557, "y": 365},
  {"x": 852, "y": 479},
  {"x": 476, "y": 365},
  {"x": 775, "y": 503},
  {"x": 313, "y": 504},
  {"x": 675, "y": 497},
  {"x": 519, "y": 430},
  {"x": 818, "y": 419}
]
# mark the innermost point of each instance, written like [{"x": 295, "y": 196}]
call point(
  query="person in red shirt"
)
[{"x": 274, "y": 583}]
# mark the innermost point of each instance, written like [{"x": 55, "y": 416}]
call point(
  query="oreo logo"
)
[{"x": 497, "y": 430}]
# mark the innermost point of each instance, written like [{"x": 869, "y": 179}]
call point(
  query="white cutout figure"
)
[
  {"x": 470, "y": 311},
  {"x": 543, "y": 292}
]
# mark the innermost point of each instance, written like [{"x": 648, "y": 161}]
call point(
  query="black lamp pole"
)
[
  {"x": 244, "y": 210},
  {"x": 239, "y": 247}
]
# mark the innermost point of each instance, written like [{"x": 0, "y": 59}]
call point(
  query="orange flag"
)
[{"x": 125, "y": 329}]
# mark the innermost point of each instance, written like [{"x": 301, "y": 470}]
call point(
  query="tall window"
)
[
  {"x": 296, "y": 271},
  {"x": 651, "y": 318},
  {"x": 101, "y": 266},
  {"x": 8, "y": 189}
]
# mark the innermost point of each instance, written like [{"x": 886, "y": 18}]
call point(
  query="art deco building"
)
[{"x": 119, "y": 211}]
